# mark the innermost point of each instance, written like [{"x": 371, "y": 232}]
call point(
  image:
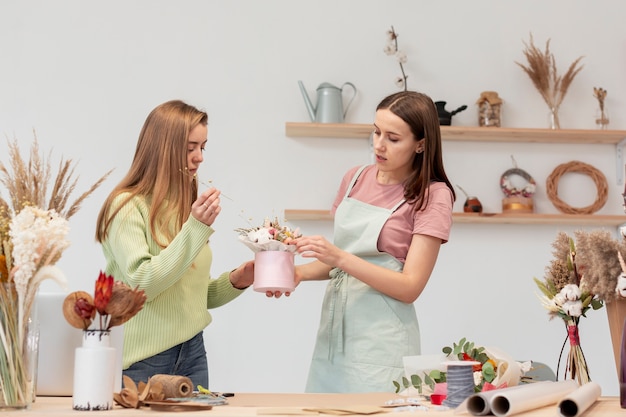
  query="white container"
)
[
  {"x": 274, "y": 271},
  {"x": 94, "y": 372}
]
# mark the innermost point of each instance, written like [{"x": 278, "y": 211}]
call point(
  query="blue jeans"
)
[{"x": 187, "y": 359}]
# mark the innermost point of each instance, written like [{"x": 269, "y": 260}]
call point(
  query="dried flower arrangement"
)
[
  {"x": 602, "y": 119},
  {"x": 392, "y": 49},
  {"x": 115, "y": 303},
  {"x": 271, "y": 235},
  {"x": 33, "y": 230},
  {"x": 584, "y": 273},
  {"x": 542, "y": 71}
]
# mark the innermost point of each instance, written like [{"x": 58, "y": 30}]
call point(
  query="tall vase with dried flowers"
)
[
  {"x": 33, "y": 230},
  {"x": 542, "y": 71},
  {"x": 564, "y": 295},
  {"x": 94, "y": 370},
  {"x": 602, "y": 116},
  {"x": 391, "y": 49}
]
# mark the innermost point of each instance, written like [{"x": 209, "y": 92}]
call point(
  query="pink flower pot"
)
[{"x": 274, "y": 271}]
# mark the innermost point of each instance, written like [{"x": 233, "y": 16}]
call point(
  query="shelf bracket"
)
[{"x": 619, "y": 158}]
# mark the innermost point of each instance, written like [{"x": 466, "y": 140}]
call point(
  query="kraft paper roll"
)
[
  {"x": 172, "y": 386},
  {"x": 530, "y": 396},
  {"x": 578, "y": 401}
]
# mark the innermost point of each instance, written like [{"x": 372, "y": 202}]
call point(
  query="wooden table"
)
[{"x": 253, "y": 404}]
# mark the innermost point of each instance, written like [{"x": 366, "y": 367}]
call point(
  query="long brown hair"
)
[
  {"x": 420, "y": 113},
  {"x": 158, "y": 171}
]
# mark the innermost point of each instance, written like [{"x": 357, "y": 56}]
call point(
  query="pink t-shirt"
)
[{"x": 434, "y": 220}]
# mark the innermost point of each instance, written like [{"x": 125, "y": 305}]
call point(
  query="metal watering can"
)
[{"x": 329, "y": 107}]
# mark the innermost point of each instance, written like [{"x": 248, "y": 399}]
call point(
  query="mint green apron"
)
[{"x": 363, "y": 333}]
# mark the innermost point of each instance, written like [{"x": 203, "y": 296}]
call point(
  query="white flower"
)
[
  {"x": 559, "y": 299},
  {"x": 571, "y": 292},
  {"x": 401, "y": 57},
  {"x": 573, "y": 308},
  {"x": 35, "y": 233},
  {"x": 399, "y": 82},
  {"x": 390, "y": 49},
  {"x": 260, "y": 236},
  {"x": 621, "y": 285}
]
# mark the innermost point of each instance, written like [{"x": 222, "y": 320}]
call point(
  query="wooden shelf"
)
[
  {"x": 466, "y": 133},
  {"x": 491, "y": 218}
]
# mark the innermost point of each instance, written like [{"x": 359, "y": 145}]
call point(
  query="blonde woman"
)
[{"x": 154, "y": 229}]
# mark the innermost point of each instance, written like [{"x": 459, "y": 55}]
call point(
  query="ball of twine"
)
[{"x": 552, "y": 187}]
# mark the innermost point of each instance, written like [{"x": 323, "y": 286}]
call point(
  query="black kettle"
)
[{"x": 445, "y": 117}]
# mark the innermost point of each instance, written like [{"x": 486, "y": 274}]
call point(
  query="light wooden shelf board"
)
[
  {"x": 491, "y": 218},
  {"x": 466, "y": 133}
]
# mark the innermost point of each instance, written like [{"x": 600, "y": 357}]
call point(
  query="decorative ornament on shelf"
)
[
  {"x": 329, "y": 107},
  {"x": 114, "y": 303},
  {"x": 472, "y": 204},
  {"x": 517, "y": 199},
  {"x": 392, "y": 49},
  {"x": 542, "y": 71},
  {"x": 273, "y": 255},
  {"x": 602, "y": 115},
  {"x": 445, "y": 116},
  {"x": 33, "y": 235},
  {"x": 552, "y": 187},
  {"x": 585, "y": 273},
  {"x": 489, "y": 109}
]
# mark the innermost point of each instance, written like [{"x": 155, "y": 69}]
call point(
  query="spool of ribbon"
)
[{"x": 460, "y": 379}]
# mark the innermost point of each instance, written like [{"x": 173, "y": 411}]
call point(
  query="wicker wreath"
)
[{"x": 552, "y": 187}]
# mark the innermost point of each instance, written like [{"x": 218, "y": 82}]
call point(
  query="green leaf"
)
[
  {"x": 416, "y": 381},
  {"x": 405, "y": 382},
  {"x": 397, "y": 385},
  {"x": 489, "y": 373}
]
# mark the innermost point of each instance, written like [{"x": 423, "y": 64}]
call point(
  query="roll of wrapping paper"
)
[
  {"x": 530, "y": 397},
  {"x": 173, "y": 386},
  {"x": 578, "y": 401},
  {"x": 479, "y": 404}
]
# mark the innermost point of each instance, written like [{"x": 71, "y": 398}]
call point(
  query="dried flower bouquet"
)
[{"x": 542, "y": 71}]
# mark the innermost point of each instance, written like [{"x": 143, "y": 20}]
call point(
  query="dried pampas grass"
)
[{"x": 542, "y": 71}]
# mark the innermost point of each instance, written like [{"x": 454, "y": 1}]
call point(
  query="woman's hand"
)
[
  {"x": 206, "y": 208},
  {"x": 319, "y": 248},
  {"x": 242, "y": 277},
  {"x": 296, "y": 279}
]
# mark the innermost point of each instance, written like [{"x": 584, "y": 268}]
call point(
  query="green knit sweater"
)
[{"x": 176, "y": 279}]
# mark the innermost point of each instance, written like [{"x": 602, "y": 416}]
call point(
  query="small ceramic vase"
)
[{"x": 94, "y": 372}]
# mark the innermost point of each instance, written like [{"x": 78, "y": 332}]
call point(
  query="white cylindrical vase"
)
[{"x": 94, "y": 372}]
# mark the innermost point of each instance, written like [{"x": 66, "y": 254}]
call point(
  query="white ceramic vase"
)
[{"x": 94, "y": 372}]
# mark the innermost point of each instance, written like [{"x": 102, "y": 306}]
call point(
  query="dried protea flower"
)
[
  {"x": 104, "y": 288},
  {"x": 79, "y": 309},
  {"x": 125, "y": 302}
]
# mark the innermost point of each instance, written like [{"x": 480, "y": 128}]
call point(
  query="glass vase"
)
[
  {"x": 553, "y": 118},
  {"x": 19, "y": 348},
  {"x": 94, "y": 372},
  {"x": 602, "y": 118}
]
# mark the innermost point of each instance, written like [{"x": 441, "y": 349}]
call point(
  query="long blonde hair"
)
[{"x": 158, "y": 171}]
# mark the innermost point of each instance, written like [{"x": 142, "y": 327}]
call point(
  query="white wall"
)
[{"x": 85, "y": 74}]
